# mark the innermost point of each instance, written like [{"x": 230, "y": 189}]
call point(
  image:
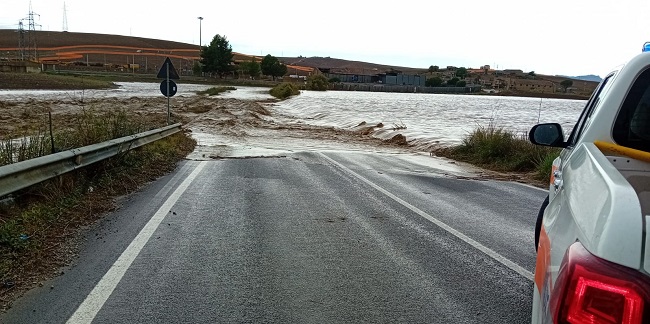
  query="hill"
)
[
  {"x": 327, "y": 63},
  {"x": 48, "y": 39},
  {"x": 589, "y": 77},
  {"x": 115, "y": 53},
  {"x": 102, "y": 49},
  {"x": 98, "y": 50}
]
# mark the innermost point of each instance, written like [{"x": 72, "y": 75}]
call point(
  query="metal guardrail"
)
[{"x": 16, "y": 176}]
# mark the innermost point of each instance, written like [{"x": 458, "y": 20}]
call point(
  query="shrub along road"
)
[{"x": 310, "y": 237}]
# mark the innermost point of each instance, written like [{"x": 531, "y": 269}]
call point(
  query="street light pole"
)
[{"x": 200, "y": 44}]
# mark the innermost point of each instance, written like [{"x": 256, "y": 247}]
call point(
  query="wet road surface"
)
[{"x": 327, "y": 237}]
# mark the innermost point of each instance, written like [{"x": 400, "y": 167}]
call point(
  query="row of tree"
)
[
  {"x": 216, "y": 59},
  {"x": 437, "y": 82},
  {"x": 461, "y": 72}
]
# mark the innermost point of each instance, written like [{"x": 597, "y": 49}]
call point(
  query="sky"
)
[{"x": 555, "y": 37}]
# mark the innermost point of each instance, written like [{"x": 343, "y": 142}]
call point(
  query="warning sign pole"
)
[
  {"x": 167, "y": 86},
  {"x": 168, "y": 114}
]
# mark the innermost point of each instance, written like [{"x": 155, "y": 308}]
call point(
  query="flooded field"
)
[
  {"x": 425, "y": 119},
  {"x": 429, "y": 118},
  {"x": 128, "y": 90}
]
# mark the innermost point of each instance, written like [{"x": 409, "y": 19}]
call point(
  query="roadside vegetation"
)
[
  {"x": 317, "y": 82},
  {"x": 84, "y": 128},
  {"x": 285, "y": 90},
  {"x": 39, "y": 224},
  {"x": 501, "y": 150},
  {"x": 214, "y": 91}
]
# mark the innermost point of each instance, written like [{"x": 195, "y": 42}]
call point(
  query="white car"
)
[{"x": 592, "y": 235}]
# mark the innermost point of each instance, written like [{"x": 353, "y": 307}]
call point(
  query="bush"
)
[
  {"x": 334, "y": 80},
  {"x": 284, "y": 90},
  {"x": 317, "y": 82},
  {"x": 545, "y": 164},
  {"x": 461, "y": 83},
  {"x": 215, "y": 91},
  {"x": 433, "y": 82},
  {"x": 502, "y": 150}
]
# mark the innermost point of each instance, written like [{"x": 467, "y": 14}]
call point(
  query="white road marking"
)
[
  {"x": 494, "y": 255},
  {"x": 529, "y": 186},
  {"x": 104, "y": 288}
]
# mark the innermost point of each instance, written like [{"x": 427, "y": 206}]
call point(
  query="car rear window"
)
[{"x": 632, "y": 126}]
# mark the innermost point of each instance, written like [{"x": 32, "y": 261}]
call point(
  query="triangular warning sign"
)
[{"x": 162, "y": 74}]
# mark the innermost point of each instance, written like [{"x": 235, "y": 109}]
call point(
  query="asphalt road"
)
[{"x": 309, "y": 238}]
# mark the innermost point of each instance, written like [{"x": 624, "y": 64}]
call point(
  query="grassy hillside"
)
[{"x": 100, "y": 50}]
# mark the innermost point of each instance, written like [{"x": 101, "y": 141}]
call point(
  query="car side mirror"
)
[{"x": 548, "y": 135}]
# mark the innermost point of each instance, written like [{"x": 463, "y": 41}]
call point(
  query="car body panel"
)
[
  {"x": 646, "y": 258},
  {"x": 604, "y": 207},
  {"x": 595, "y": 199}
]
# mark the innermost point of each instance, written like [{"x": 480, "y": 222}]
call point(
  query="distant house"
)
[
  {"x": 512, "y": 72},
  {"x": 541, "y": 86},
  {"x": 240, "y": 58},
  {"x": 20, "y": 67},
  {"x": 403, "y": 79},
  {"x": 355, "y": 78},
  {"x": 303, "y": 71}
]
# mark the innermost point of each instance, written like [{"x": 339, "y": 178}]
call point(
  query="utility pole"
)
[
  {"x": 21, "y": 40},
  {"x": 200, "y": 44}
]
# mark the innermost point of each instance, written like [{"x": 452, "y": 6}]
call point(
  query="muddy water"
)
[
  {"x": 429, "y": 118},
  {"x": 128, "y": 90}
]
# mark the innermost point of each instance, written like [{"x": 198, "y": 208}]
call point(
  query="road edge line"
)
[{"x": 95, "y": 300}]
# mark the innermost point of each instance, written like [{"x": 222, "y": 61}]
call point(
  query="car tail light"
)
[{"x": 592, "y": 290}]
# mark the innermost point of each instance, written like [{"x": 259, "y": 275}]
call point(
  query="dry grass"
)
[
  {"x": 38, "y": 225},
  {"x": 498, "y": 149},
  {"x": 85, "y": 128}
]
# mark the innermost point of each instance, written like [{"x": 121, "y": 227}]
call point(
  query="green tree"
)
[
  {"x": 253, "y": 68},
  {"x": 433, "y": 68},
  {"x": 196, "y": 68},
  {"x": 433, "y": 82},
  {"x": 461, "y": 83},
  {"x": 461, "y": 73},
  {"x": 566, "y": 84},
  {"x": 216, "y": 57},
  {"x": 317, "y": 82},
  {"x": 452, "y": 82},
  {"x": 531, "y": 73},
  {"x": 273, "y": 67}
]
